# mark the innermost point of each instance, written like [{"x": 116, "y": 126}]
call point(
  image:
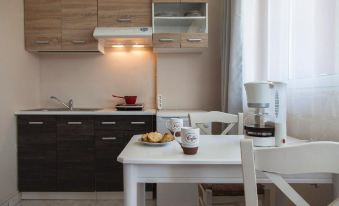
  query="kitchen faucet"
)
[{"x": 68, "y": 106}]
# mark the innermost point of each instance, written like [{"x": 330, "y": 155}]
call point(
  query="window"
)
[{"x": 314, "y": 43}]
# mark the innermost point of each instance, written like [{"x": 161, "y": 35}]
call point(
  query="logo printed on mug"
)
[
  {"x": 190, "y": 140},
  {"x": 190, "y": 137},
  {"x": 174, "y": 125}
]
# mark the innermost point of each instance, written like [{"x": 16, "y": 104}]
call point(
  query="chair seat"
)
[{"x": 229, "y": 189}]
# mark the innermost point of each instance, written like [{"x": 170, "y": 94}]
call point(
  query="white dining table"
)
[{"x": 218, "y": 161}]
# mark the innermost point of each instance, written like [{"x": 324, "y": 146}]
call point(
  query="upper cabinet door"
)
[
  {"x": 43, "y": 25},
  {"x": 166, "y": 1},
  {"x": 80, "y": 17},
  {"x": 125, "y": 13},
  {"x": 194, "y": 1},
  {"x": 79, "y": 14}
]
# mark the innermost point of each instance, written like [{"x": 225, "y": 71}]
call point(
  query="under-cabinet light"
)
[
  {"x": 118, "y": 46},
  {"x": 138, "y": 46}
]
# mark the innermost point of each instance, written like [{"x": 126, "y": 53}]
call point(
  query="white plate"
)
[{"x": 154, "y": 144}]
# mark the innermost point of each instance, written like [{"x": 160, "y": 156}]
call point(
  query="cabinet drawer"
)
[
  {"x": 75, "y": 126},
  {"x": 194, "y": 1},
  {"x": 194, "y": 40},
  {"x": 126, "y": 20},
  {"x": 37, "y": 138},
  {"x": 43, "y": 40},
  {"x": 138, "y": 123},
  {"x": 106, "y": 138},
  {"x": 110, "y": 144},
  {"x": 166, "y": 40},
  {"x": 125, "y": 13},
  {"x": 124, "y": 122},
  {"x": 35, "y": 125},
  {"x": 79, "y": 40},
  {"x": 166, "y": 1}
]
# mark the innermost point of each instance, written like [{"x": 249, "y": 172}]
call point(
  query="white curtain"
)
[
  {"x": 232, "y": 78},
  {"x": 297, "y": 41}
]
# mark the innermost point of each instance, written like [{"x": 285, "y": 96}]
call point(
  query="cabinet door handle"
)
[
  {"x": 35, "y": 123},
  {"x": 109, "y": 138},
  {"x": 124, "y": 20},
  {"x": 166, "y": 40},
  {"x": 138, "y": 123},
  {"x": 194, "y": 40},
  {"x": 78, "y": 42},
  {"x": 108, "y": 123},
  {"x": 41, "y": 42},
  {"x": 74, "y": 123}
]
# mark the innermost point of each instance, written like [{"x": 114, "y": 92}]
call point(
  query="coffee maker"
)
[{"x": 265, "y": 120}]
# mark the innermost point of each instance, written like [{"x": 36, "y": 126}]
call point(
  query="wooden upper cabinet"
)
[
  {"x": 80, "y": 17},
  {"x": 194, "y": 40},
  {"x": 43, "y": 19},
  {"x": 178, "y": 1},
  {"x": 166, "y": 40},
  {"x": 166, "y": 1},
  {"x": 79, "y": 14},
  {"x": 194, "y": 1},
  {"x": 125, "y": 13}
]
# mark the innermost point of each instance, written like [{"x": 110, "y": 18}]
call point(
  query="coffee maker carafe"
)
[{"x": 265, "y": 120}]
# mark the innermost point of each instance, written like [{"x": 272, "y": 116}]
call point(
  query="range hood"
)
[{"x": 124, "y": 36}]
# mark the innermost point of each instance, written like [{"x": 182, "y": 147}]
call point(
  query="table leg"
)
[
  {"x": 336, "y": 186},
  {"x": 130, "y": 185},
  {"x": 141, "y": 194}
]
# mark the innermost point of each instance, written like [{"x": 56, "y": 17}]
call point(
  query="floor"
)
[{"x": 77, "y": 203}]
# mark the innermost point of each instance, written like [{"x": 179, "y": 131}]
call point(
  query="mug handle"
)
[{"x": 168, "y": 126}]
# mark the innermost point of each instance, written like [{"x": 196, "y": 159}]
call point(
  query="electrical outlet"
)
[{"x": 160, "y": 102}]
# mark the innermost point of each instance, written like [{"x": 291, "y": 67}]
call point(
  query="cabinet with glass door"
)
[{"x": 180, "y": 24}]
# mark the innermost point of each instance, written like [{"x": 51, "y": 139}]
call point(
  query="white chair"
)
[
  {"x": 314, "y": 157},
  {"x": 220, "y": 194},
  {"x": 201, "y": 119}
]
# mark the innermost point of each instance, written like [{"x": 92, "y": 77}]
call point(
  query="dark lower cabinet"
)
[
  {"x": 112, "y": 133},
  {"x": 109, "y": 172},
  {"x": 37, "y": 155},
  {"x": 75, "y": 153}
]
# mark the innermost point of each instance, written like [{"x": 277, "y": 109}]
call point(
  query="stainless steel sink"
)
[{"x": 63, "y": 110}]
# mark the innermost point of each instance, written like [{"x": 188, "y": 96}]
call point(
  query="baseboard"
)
[
  {"x": 118, "y": 195},
  {"x": 76, "y": 196},
  {"x": 12, "y": 201},
  {"x": 58, "y": 195}
]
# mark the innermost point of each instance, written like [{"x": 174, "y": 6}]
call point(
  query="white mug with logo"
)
[
  {"x": 190, "y": 140},
  {"x": 174, "y": 125}
]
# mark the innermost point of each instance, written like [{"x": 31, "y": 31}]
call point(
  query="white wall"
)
[
  {"x": 91, "y": 79},
  {"x": 193, "y": 81},
  {"x": 19, "y": 89}
]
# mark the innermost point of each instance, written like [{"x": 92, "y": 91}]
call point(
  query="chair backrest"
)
[
  {"x": 313, "y": 157},
  {"x": 197, "y": 119}
]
